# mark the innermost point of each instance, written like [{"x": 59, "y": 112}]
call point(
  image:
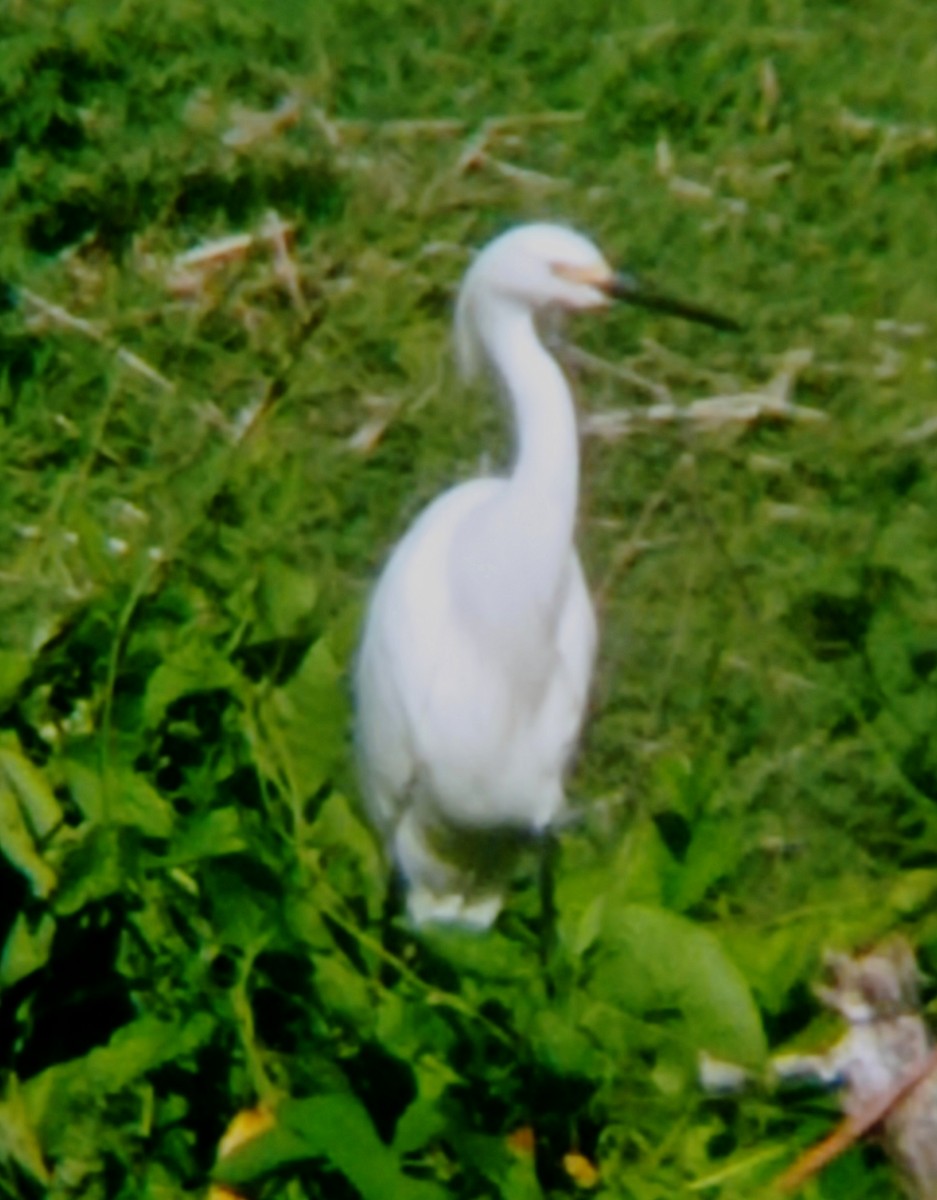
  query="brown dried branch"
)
[
  {"x": 250, "y": 126},
  {"x": 853, "y": 1127},
  {"x": 54, "y": 314}
]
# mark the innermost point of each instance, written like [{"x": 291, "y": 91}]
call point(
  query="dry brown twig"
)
[
  {"x": 337, "y": 129},
  {"x": 476, "y": 153},
  {"x": 277, "y": 232},
  {"x": 366, "y": 436},
  {"x": 855, "y": 1126},
  {"x": 920, "y": 433},
  {"x": 897, "y": 142},
  {"x": 47, "y": 313},
  {"x": 665, "y": 360},
  {"x": 249, "y": 126},
  {"x": 575, "y": 356},
  {"x": 191, "y": 270},
  {"x": 772, "y": 402},
  {"x": 691, "y": 191},
  {"x": 884, "y": 1067}
]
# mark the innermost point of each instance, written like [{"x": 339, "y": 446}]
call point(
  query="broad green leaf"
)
[
  {"x": 776, "y": 959},
  {"x": 425, "y": 1118},
  {"x": 306, "y": 721},
  {"x": 306, "y": 919},
  {"x": 18, "y": 1140},
  {"x": 345, "y": 846},
  {"x": 517, "y": 1178},
  {"x": 195, "y": 666},
  {"x": 483, "y": 962},
  {"x": 640, "y": 870},
  {"x": 423, "y": 1122},
  {"x": 912, "y": 892},
  {"x": 120, "y": 795},
  {"x": 562, "y": 1045},
  {"x": 210, "y": 835},
  {"x": 26, "y": 949},
  {"x": 245, "y": 900},
  {"x": 615, "y": 1034},
  {"x": 337, "y": 1129},
  {"x": 345, "y": 991},
  {"x": 512, "y": 1173},
  {"x": 33, "y": 791},
  {"x": 84, "y": 783},
  {"x": 18, "y": 846},
  {"x": 286, "y": 597},
  {"x": 54, "y": 1095},
  {"x": 94, "y": 868},
  {"x": 14, "y": 668},
  {"x": 714, "y": 852},
  {"x": 652, "y": 961},
  {"x": 135, "y": 802},
  {"x": 420, "y": 1034}
]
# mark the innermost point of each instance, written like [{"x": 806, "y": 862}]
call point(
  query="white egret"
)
[{"x": 474, "y": 667}]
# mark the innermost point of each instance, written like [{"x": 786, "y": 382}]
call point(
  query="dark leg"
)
[{"x": 549, "y": 852}]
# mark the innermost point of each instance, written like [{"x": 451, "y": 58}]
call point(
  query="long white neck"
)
[
  {"x": 531, "y": 523},
  {"x": 545, "y": 477}
]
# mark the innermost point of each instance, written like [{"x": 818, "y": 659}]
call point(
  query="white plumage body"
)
[
  {"x": 473, "y": 672},
  {"x": 468, "y": 708},
  {"x": 467, "y": 717}
]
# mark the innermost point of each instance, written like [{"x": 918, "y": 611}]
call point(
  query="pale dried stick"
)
[
  {"x": 276, "y": 231},
  {"x": 250, "y": 126},
  {"x": 57, "y": 315},
  {"x": 577, "y": 357},
  {"x": 475, "y": 154},
  {"x": 853, "y": 1127},
  {"x": 400, "y": 126}
]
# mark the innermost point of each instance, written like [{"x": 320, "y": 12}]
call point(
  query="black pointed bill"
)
[{"x": 633, "y": 291}]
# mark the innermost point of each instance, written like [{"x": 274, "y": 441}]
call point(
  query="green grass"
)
[{"x": 192, "y": 907}]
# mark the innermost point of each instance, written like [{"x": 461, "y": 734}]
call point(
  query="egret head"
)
[
  {"x": 543, "y": 266},
  {"x": 540, "y": 266},
  {"x": 533, "y": 267}
]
